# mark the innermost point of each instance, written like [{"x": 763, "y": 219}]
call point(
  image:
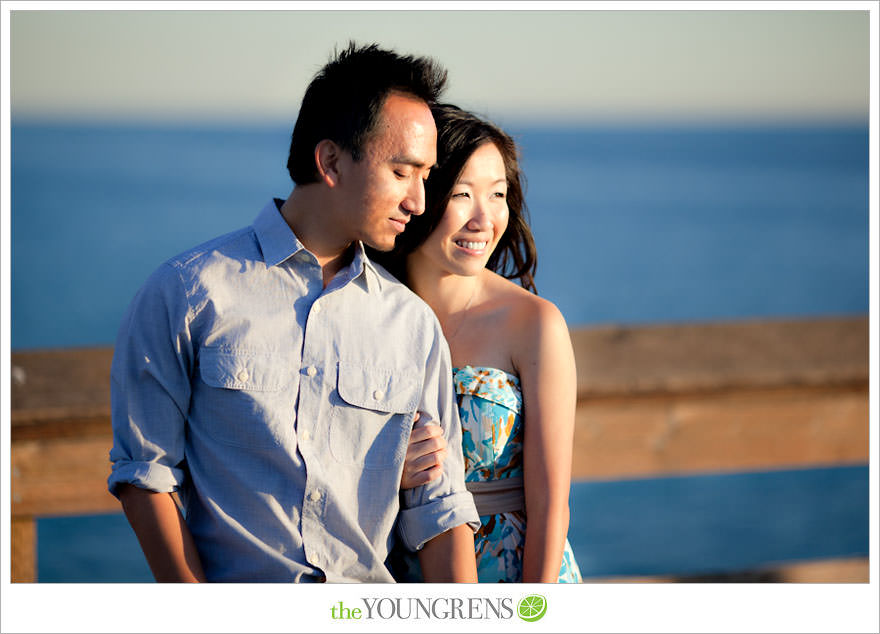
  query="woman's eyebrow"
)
[{"x": 495, "y": 182}]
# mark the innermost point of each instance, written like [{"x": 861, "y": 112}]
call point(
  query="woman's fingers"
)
[
  {"x": 423, "y": 477},
  {"x": 424, "y": 456},
  {"x": 426, "y": 432},
  {"x": 427, "y": 461},
  {"x": 421, "y": 448}
]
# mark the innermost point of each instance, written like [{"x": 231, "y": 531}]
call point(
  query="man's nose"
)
[{"x": 414, "y": 202}]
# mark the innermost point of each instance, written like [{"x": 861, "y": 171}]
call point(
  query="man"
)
[{"x": 271, "y": 376}]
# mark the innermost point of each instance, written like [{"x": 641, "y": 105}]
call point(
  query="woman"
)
[{"x": 514, "y": 371}]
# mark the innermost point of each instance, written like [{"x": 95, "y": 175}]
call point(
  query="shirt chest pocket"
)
[
  {"x": 372, "y": 415},
  {"x": 246, "y": 399}
]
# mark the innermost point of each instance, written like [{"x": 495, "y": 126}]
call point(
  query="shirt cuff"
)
[
  {"x": 145, "y": 475},
  {"x": 418, "y": 525}
]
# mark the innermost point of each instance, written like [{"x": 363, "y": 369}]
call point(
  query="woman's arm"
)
[{"x": 545, "y": 362}]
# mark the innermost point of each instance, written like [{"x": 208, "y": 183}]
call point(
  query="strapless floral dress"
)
[{"x": 490, "y": 408}]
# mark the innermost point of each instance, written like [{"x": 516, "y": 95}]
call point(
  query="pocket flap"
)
[
  {"x": 379, "y": 389},
  {"x": 243, "y": 370}
]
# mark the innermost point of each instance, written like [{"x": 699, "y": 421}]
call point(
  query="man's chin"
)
[{"x": 383, "y": 246}]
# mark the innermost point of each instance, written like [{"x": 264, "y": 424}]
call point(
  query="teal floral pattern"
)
[
  {"x": 490, "y": 407},
  {"x": 489, "y": 404}
]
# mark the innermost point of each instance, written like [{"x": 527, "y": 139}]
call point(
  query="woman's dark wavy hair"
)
[
  {"x": 344, "y": 100},
  {"x": 459, "y": 134}
]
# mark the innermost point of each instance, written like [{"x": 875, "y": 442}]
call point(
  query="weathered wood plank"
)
[
  {"x": 60, "y": 477},
  {"x": 614, "y": 438},
  {"x": 57, "y": 383},
  {"x": 731, "y": 431},
  {"x": 611, "y": 360},
  {"x": 24, "y": 543},
  {"x": 653, "y": 400},
  {"x": 822, "y": 571},
  {"x": 62, "y": 426},
  {"x": 721, "y": 356},
  {"x": 828, "y": 571}
]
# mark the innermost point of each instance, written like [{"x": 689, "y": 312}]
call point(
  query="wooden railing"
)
[
  {"x": 651, "y": 400},
  {"x": 721, "y": 397}
]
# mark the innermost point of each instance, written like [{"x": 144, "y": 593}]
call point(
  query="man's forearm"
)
[
  {"x": 163, "y": 534},
  {"x": 449, "y": 557}
]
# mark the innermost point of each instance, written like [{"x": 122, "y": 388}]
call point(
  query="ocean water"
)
[
  {"x": 632, "y": 225},
  {"x": 673, "y": 526}
]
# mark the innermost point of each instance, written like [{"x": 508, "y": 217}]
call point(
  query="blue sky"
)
[{"x": 536, "y": 65}]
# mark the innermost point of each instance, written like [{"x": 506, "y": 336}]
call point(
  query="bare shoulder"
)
[
  {"x": 524, "y": 309},
  {"x": 536, "y": 322}
]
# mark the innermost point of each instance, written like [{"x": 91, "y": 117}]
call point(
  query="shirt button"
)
[
  {"x": 243, "y": 376},
  {"x": 377, "y": 394},
  {"x": 314, "y": 496},
  {"x": 311, "y": 370},
  {"x": 305, "y": 435},
  {"x": 303, "y": 256},
  {"x": 316, "y": 308}
]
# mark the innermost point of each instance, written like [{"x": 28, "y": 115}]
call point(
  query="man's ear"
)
[{"x": 327, "y": 159}]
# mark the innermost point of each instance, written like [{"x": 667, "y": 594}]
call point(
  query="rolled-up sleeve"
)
[
  {"x": 444, "y": 503},
  {"x": 150, "y": 386}
]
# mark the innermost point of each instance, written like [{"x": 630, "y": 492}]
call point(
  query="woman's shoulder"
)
[
  {"x": 532, "y": 326},
  {"x": 520, "y": 327},
  {"x": 525, "y": 310}
]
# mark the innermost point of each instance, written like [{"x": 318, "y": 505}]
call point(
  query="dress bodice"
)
[{"x": 490, "y": 407}]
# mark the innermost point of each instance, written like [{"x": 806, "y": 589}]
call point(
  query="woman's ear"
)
[{"x": 327, "y": 159}]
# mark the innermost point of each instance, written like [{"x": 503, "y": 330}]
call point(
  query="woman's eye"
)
[
  {"x": 461, "y": 195},
  {"x": 500, "y": 195}
]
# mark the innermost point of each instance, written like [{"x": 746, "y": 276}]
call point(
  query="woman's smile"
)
[{"x": 477, "y": 248}]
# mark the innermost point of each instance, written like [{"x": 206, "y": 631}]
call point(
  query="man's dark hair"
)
[{"x": 344, "y": 100}]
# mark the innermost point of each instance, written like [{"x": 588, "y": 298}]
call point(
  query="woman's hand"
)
[{"x": 424, "y": 455}]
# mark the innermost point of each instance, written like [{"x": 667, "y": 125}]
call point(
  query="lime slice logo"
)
[{"x": 532, "y": 607}]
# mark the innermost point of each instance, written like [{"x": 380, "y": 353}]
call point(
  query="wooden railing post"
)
[
  {"x": 61, "y": 437},
  {"x": 24, "y": 549}
]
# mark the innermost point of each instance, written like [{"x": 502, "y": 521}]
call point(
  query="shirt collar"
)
[
  {"x": 275, "y": 237},
  {"x": 367, "y": 269},
  {"x": 278, "y": 243}
]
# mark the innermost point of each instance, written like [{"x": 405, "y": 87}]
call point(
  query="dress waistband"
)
[{"x": 498, "y": 496}]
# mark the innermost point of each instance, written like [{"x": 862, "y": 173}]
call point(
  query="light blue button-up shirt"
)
[{"x": 281, "y": 410}]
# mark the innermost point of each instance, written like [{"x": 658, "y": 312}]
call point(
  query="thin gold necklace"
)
[{"x": 465, "y": 310}]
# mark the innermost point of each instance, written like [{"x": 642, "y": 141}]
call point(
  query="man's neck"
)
[{"x": 312, "y": 220}]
